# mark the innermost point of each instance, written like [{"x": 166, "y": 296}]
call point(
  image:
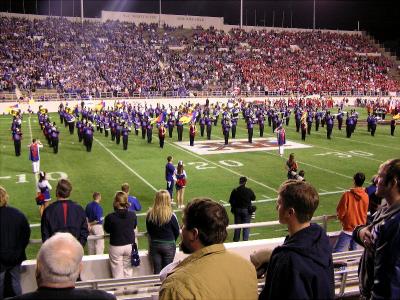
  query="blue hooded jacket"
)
[{"x": 301, "y": 268}]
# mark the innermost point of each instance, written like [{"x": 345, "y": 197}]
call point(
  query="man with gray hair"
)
[{"x": 58, "y": 265}]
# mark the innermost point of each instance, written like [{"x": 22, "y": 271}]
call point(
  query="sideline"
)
[{"x": 126, "y": 166}]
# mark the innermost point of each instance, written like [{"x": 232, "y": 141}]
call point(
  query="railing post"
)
[{"x": 325, "y": 222}]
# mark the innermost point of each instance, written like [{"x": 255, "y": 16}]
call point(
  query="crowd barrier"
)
[{"x": 43, "y": 96}]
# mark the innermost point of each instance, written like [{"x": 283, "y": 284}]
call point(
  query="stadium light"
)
[
  {"x": 159, "y": 16},
  {"x": 82, "y": 11},
  {"x": 241, "y": 13},
  {"x": 314, "y": 16}
]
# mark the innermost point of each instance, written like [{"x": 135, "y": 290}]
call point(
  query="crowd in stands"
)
[{"x": 114, "y": 57}]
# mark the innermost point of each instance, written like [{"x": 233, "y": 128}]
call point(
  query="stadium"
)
[{"x": 109, "y": 92}]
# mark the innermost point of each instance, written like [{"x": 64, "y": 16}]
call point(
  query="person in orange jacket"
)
[{"x": 351, "y": 211}]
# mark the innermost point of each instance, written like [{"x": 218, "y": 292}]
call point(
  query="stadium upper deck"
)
[{"x": 116, "y": 57}]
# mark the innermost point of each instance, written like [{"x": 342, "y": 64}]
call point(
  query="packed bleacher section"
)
[{"x": 123, "y": 57}]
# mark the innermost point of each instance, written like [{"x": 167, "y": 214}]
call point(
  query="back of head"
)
[
  {"x": 359, "y": 179},
  {"x": 210, "y": 219},
  {"x": 58, "y": 260},
  {"x": 64, "y": 188},
  {"x": 3, "y": 197},
  {"x": 301, "y": 196},
  {"x": 242, "y": 180},
  {"x": 169, "y": 158},
  {"x": 125, "y": 187},
  {"x": 161, "y": 211},
  {"x": 121, "y": 200}
]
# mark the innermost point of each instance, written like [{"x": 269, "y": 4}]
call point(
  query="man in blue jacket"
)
[{"x": 302, "y": 267}]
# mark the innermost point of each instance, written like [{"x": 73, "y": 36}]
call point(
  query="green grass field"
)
[{"x": 329, "y": 166}]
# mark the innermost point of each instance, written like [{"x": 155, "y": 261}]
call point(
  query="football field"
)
[{"x": 213, "y": 170}]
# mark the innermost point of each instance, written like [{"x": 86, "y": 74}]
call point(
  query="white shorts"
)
[{"x": 36, "y": 166}]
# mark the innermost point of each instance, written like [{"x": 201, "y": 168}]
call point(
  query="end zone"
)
[{"x": 237, "y": 145}]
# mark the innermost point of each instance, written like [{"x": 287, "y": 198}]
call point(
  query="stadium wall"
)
[{"x": 52, "y": 106}]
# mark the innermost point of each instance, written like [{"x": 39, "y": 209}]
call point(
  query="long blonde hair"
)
[{"x": 161, "y": 212}]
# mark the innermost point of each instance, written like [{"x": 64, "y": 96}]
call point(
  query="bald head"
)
[{"x": 59, "y": 260}]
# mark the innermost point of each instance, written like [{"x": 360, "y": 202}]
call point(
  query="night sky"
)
[{"x": 380, "y": 18}]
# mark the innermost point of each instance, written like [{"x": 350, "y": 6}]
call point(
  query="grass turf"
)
[{"x": 329, "y": 166}]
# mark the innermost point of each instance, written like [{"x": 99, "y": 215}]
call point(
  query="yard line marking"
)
[
  {"x": 218, "y": 165},
  {"x": 322, "y": 190},
  {"x": 222, "y": 201},
  {"x": 361, "y": 142},
  {"x": 356, "y": 155},
  {"x": 255, "y": 233},
  {"x": 339, "y": 187},
  {"x": 125, "y": 165},
  {"x": 265, "y": 196},
  {"x": 332, "y": 193}
]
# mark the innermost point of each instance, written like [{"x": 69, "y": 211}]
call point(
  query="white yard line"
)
[
  {"x": 125, "y": 165},
  {"x": 329, "y": 149},
  {"x": 222, "y": 167}
]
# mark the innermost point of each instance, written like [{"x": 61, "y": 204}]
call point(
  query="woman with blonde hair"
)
[
  {"x": 121, "y": 225},
  {"x": 180, "y": 184},
  {"x": 163, "y": 230}
]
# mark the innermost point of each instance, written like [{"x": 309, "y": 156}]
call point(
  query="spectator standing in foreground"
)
[
  {"x": 374, "y": 201},
  {"x": 64, "y": 215},
  {"x": 133, "y": 201},
  {"x": 302, "y": 267},
  {"x": 210, "y": 272},
  {"x": 169, "y": 176},
  {"x": 240, "y": 201},
  {"x": 351, "y": 211},
  {"x": 94, "y": 213},
  {"x": 14, "y": 238},
  {"x": 163, "y": 230},
  {"x": 121, "y": 225},
  {"x": 59, "y": 263},
  {"x": 379, "y": 269}
]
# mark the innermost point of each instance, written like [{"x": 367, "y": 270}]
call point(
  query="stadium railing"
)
[
  {"x": 322, "y": 220},
  {"x": 11, "y": 97},
  {"x": 147, "y": 287}
]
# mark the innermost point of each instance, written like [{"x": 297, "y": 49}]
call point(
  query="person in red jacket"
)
[{"x": 351, "y": 211}]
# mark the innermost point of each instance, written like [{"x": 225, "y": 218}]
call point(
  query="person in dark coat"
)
[
  {"x": 14, "y": 237},
  {"x": 379, "y": 268},
  {"x": 17, "y": 137},
  {"x": 240, "y": 201},
  {"x": 302, "y": 267},
  {"x": 64, "y": 215}
]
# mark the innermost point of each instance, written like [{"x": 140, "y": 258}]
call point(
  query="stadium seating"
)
[{"x": 115, "y": 58}]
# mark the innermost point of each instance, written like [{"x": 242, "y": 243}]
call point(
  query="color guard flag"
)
[
  {"x": 186, "y": 118},
  {"x": 159, "y": 119},
  {"x": 100, "y": 106}
]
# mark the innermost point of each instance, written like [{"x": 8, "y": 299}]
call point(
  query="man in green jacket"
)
[{"x": 210, "y": 272}]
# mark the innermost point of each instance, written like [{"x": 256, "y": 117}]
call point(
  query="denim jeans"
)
[
  {"x": 241, "y": 216},
  {"x": 161, "y": 254},
  {"x": 344, "y": 242},
  {"x": 15, "y": 274}
]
